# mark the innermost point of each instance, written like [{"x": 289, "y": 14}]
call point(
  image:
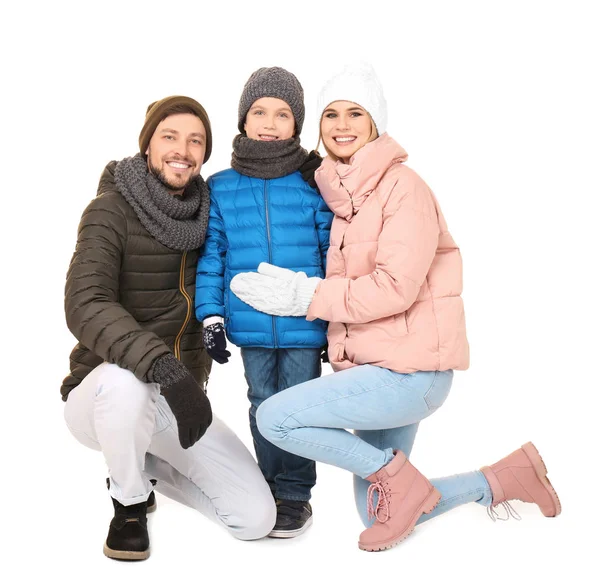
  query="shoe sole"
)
[
  {"x": 126, "y": 555},
  {"x": 291, "y": 534},
  {"x": 540, "y": 469},
  {"x": 426, "y": 507},
  {"x": 151, "y": 508}
]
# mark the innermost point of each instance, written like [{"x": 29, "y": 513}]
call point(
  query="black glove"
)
[
  {"x": 309, "y": 167},
  {"x": 324, "y": 354},
  {"x": 215, "y": 342},
  {"x": 185, "y": 397}
]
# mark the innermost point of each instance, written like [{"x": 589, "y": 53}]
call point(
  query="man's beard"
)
[{"x": 159, "y": 174}]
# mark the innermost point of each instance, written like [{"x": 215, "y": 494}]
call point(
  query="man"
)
[{"x": 134, "y": 388}]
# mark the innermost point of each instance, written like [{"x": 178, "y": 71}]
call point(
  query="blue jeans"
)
[
  {"x": 268, "y": 372},
  {"x": 383, "y": 408}
]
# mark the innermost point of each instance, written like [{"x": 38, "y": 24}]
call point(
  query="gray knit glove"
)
[
  {"x": 185, "y": 397},
  {"x": 275, "y": 290}
]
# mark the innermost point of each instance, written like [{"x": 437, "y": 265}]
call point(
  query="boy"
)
[{"x": 263, "y": 211}]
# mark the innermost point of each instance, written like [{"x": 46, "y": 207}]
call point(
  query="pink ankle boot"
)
[
  {"x": 522, "y": 476},
  {"x": 404, "y": 495}
]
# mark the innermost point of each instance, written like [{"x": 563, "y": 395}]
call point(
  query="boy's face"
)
[
  {"x": 176, "y": 151},
  {"x": 269, "y": 119}
]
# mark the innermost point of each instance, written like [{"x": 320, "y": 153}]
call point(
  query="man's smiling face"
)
[{"x": 176, "y": 151}]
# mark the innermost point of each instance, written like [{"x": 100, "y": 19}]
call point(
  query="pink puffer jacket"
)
[{"x": 394, "y": 273}]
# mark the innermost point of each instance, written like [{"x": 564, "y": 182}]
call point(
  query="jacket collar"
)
[{"x": 345, "y": 187}]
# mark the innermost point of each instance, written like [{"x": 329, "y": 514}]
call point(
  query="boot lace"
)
[
  {"x": 510, "y": 511},
  {"x": 382, "y": 502}
]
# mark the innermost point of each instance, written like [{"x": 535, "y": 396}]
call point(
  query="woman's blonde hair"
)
[{"x": 374, "y": 135}]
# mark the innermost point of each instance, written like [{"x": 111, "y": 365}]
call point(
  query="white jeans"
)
[{"x": 131, "y": 423}]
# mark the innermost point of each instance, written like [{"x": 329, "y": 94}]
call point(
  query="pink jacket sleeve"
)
[{"x": 406, "y": 248}]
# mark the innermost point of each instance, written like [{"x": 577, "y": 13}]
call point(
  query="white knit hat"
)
[{"x": 359, "y": 84}]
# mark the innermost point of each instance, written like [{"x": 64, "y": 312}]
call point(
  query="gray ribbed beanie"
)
[{"x": 273, "y": 82}]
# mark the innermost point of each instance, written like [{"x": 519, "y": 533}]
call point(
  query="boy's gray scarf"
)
[
  {"x": 267, "y": 159},
  {"x": 178, "y": 222}
]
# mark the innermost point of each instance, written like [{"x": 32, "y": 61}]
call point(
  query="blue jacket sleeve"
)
[
  {"x": 211, "y": 267},
  {"x": 323, "y": 219}
]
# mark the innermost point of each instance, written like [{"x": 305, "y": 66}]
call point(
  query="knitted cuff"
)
[
  {"x": 168, "y": 370},
  {"x": 306, "y": 291},
  {"x": 212, "y": 320}
]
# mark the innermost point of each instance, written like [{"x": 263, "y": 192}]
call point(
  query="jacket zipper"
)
[
  {"x": 188, "y": 300},
  {"x": 270, "y": 254}
]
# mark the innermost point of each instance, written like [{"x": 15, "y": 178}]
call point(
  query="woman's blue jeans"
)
[{"x": 383, "y": 408}]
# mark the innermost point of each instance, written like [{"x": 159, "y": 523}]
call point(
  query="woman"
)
[{"x": 396, "y": 331}]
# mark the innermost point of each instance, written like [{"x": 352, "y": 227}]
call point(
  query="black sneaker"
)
[{"x": 293, "y": 518}]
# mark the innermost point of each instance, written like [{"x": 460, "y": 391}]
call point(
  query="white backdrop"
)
[{"x": 497, "y": 106}]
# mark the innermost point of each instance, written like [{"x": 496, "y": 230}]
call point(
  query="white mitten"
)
[{"x": 276, "y": 291}]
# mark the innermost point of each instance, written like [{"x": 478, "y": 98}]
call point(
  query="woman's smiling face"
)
[{"x": 345, "y": 128}]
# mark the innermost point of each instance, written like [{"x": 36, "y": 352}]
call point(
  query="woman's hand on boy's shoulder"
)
[{"x": 309, "y": 167}]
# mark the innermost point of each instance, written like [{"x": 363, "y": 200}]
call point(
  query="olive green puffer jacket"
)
[{"x": 128, "y": 298}]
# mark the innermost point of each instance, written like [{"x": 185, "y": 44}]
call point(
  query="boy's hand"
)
[{"x": 215, "y": 341}]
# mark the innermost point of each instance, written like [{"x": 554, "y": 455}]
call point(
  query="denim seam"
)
[
  {"x": 323, "y": 446},
  {"x": 389, "y": 384},
  {"x": 429, "y": 406}
]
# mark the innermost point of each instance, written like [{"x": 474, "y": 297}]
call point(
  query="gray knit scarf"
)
[
  {"x": 178, "y": 222},
  {"x": 267, "y": 159}
]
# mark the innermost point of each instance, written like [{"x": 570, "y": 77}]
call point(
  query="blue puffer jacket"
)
[{"x": 282, "y": 221}]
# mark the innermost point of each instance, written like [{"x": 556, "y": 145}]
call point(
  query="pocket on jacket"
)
[
  {"x": 338, "y": 351},
  {"x": 439, "y": 389},
  {"x": 401, "y": 324},
  {"x": 226, "y": 292}
]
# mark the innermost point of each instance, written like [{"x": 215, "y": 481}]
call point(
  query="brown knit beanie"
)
[{"x": 160, "y": 110}]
